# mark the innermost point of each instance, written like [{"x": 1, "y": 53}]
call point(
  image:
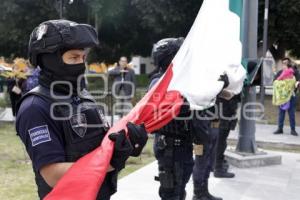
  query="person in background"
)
[
  {"x": 287, "y": 68},
  {"x": 1, "y": 84},
  {"x": 123, "y": 85},
  {"x": 14, "y": 87}
]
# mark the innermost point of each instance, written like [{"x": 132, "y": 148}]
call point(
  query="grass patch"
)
[
  {"x": 16, "y": 175},
  {"x": 134, "y": 164}
]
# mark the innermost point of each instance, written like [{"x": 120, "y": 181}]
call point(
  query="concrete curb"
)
[{"x": 283, "y": 146}]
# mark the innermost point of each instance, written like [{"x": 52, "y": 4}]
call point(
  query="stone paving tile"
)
[
  {"x": 264, "y": 133},
  {"x": 281, "y": 182}
]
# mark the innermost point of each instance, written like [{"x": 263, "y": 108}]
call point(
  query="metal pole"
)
[
  {"x": 265, "y": 49},
  {"x": 246, "y": 142}
]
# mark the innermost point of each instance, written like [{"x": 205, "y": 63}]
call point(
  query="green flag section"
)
[
  {"x": 212, "y": 47},
  {"x": 252, "y": 66},
  {"x": 236, "y": 6}
]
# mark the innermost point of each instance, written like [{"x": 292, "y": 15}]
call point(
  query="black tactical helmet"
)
[
  {"x": 164, "y": 51},
  {"x": 53, "y": 35}
]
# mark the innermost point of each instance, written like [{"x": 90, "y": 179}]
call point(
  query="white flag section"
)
[{"x": 212, "y": 47}]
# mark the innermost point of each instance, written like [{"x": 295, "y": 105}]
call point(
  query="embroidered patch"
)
[
  {"x": 79, "y": 124},
  {"x": 39, "y": 134}
]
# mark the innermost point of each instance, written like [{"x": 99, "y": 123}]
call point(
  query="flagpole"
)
[{"x": 246, "y": 142}]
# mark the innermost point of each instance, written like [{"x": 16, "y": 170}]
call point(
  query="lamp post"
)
[{"x": 246, "y": 142}]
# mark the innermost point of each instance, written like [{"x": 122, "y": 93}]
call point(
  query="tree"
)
[
  {"x": 284, "y": 27},
  {"x": 129, "y": 27},
  {"x": 17, "y": 20},
  {"x": 168, "y": 18}
]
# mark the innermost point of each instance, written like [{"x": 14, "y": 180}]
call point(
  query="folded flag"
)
[{"x": 212, "y": 48}]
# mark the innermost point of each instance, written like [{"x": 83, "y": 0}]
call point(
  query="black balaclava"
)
[{"x": 54, "y": 69}]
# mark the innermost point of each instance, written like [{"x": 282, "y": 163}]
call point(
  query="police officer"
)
[
  {"x": 227, "y": 121},
  {"x": 58, "y": 121},
  {"x": 205, "y": 126},
  {"x": 173, "y": 143}
]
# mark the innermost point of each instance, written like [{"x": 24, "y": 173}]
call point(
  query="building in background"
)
[{"x": 142, "y": 65}]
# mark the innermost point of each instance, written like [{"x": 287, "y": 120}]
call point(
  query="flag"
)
[{"x": 212, "y": 48}]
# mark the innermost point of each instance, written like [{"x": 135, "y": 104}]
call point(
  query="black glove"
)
[
  {"x": 225, "y": 79},
  {"x": 123, "y": 149},
  {"x": 185, "y": 110},
  {"x": 138, "y": 138}
]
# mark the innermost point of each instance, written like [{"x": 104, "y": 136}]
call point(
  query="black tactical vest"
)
[{"x": 83, "y": 122}]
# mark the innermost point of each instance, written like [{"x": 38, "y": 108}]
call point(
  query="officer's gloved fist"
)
[
  {"x": 138, "y": 138},
  {"x": 225, "y": 79},
  {"x": 123, "y": 149}
]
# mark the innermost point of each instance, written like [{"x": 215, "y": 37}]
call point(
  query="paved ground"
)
[
  {"x": 265, "y": 137},
  {"x": 6, "y": 115},
  {"x": 281, "y": 182}
]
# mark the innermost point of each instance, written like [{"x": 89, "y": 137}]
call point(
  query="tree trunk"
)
[{"x": 98, "y": 22}]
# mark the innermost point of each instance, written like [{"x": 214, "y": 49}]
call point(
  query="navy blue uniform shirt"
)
[{"x": 42, "y": 136}]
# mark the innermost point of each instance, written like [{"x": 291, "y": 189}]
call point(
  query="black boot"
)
[
  {"x": 221, "y": 170},
  {"x": 201, "y": 193},
  {"x": 278, "y": 131},
  {"x": 225, "y": 165},
  {"x": 294, "y": 133},
  {"x": 223, "y": 174}
]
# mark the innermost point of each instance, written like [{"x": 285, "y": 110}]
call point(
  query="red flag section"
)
[{"x": 83, "y": 180}]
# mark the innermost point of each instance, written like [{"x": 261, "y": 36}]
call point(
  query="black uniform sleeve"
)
[
  {"x": 297, "y": 74},
  {"x": 39, "y": 133}
]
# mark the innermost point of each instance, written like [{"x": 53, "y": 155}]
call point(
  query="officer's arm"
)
[
  {"x": 114, "y": 72},
  {"x": 52, "y": 173}
]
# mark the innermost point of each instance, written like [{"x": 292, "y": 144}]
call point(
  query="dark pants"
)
[
  {"x": 124, "y": 104},
  {"x": 221, "y": 145},
  {"x": 291, "y": 112},
  {"x": 175, "y": 165},
  {"x": 204, "y": 163},
  {"x": 14, "y": 98},
  {"x": 1, "y": 85}
]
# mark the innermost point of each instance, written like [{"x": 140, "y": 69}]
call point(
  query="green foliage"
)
[
  {"x": 168, "y": 18},
  {"x": 130, "y": 27},
  {"x": 17, "y": 20},
  {"x": 142, "y": 81},
  {"x": 284, "y": 27},
  {"x": 4, "y": 101}
]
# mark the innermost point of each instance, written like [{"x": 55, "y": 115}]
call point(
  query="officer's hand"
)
[
  {"x": 123, "y": 149},
  {"x": 138, "y": 137},
  {"x": 225, "y": 79},
  {"x": 185, "y": 109}
]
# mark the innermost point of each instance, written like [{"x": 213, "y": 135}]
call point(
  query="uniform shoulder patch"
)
[{"x": 39, "y": 135}]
